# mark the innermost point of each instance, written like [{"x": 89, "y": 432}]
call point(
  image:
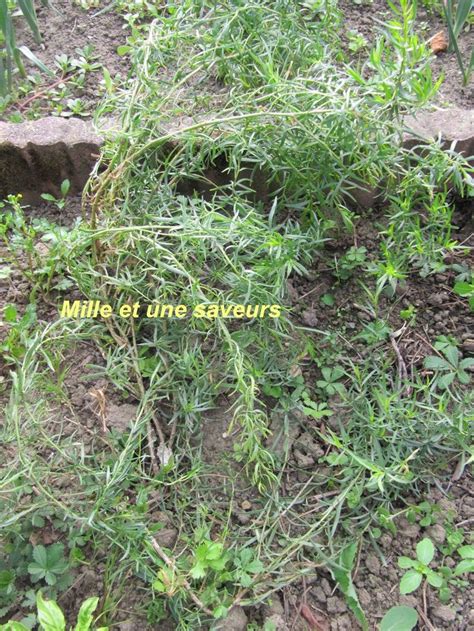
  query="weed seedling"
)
[
  {"x": 418, "y": 568},
  {"x": 60, "y": 203},
  {"x": 345, "y": 266},
  {"x": 466, "y": 290},
  {"x": 330, "y": 384},
  {"x": 448, "y": 366}
]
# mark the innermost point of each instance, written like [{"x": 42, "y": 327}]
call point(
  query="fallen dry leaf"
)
[
  {"x": 98, "y": 395},
  {"x": 439, "y": 43}
]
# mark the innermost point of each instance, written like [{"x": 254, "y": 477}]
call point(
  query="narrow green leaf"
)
[
  {"x": 33, "y": 58},
  {"x": 84, "y": 617}
]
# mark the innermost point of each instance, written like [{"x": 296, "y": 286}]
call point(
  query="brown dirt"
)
[{"x": 65, "y": 29}]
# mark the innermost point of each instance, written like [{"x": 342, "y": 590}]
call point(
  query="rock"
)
[
  {"x": 274, "y": 607},
  {"x": 437, "y": 533},
  {"x": 336, "y": 605},
  {"x": 167, "y": 537},
  {"x": 468, "y": 347},
  {"x": 454, "y": 125},
  {"x": 242, "y": 517},
  {"x": 302, "y": 460},
  {"x": 120, "y": 417},
  {"x": 319, "y": 594},
  {"x": 37, "y": 156},
  {"x": 411, "y": 531},
  {"x": 386, "y": 540},
  {"x": 309, "y": 317},
  {"x": 444, "y": 613},
  {"x": 236, "y": 620},
  {"x": 307, "y": 444},
  {"x": 345, "y": 623},
  {"x": 435, "y": 299},
  {"x": 326, "y": 586},
  {"x": 372, "y": 563}
]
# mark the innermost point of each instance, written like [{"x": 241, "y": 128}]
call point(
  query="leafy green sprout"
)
[
  {"x": 351, "y": 260},
  {"x": 418, "y": 569},
  {"x": 409, "y": 313},
  {"x": 465, "y": 289},
  {"x": 61, "y": 202},
  {"x": 399, "y": 618}
]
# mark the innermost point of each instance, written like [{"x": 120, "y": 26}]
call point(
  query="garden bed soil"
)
[{"x": 377, "y": 574}]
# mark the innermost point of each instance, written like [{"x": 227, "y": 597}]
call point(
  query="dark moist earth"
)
[
  {"x": 66, "y": 29},
  {"x": 439, "y": 311}
]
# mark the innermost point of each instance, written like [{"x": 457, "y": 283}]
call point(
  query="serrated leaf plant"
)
[
  {"x": 448, "y": 365},
  {"x": 48, "y": 563}
]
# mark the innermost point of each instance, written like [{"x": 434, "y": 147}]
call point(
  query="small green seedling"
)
[
  {"x": 427, "y": 512},
  {"x": 454, "y": 576},
  {"x": 327, "y": 300},
  {"x": 418, "y": 568},
  {"x": 408, "y": 314},
  {"x": 60, "y": 203},
  {"x": 356, "y": 41},
  {"x": 209, "y": 555},
  {"x": 349, "y": 261},
  {"x": 246, "y": 565},
  {"x": 374, "y": 332},
  {"x": 449, "y": 366},
  {"x": 313, "y": 409},
  {"x": 466, "y": 565}
]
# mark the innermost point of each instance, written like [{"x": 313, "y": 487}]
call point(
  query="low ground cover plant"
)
[{"x": 231, "y": 205}]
